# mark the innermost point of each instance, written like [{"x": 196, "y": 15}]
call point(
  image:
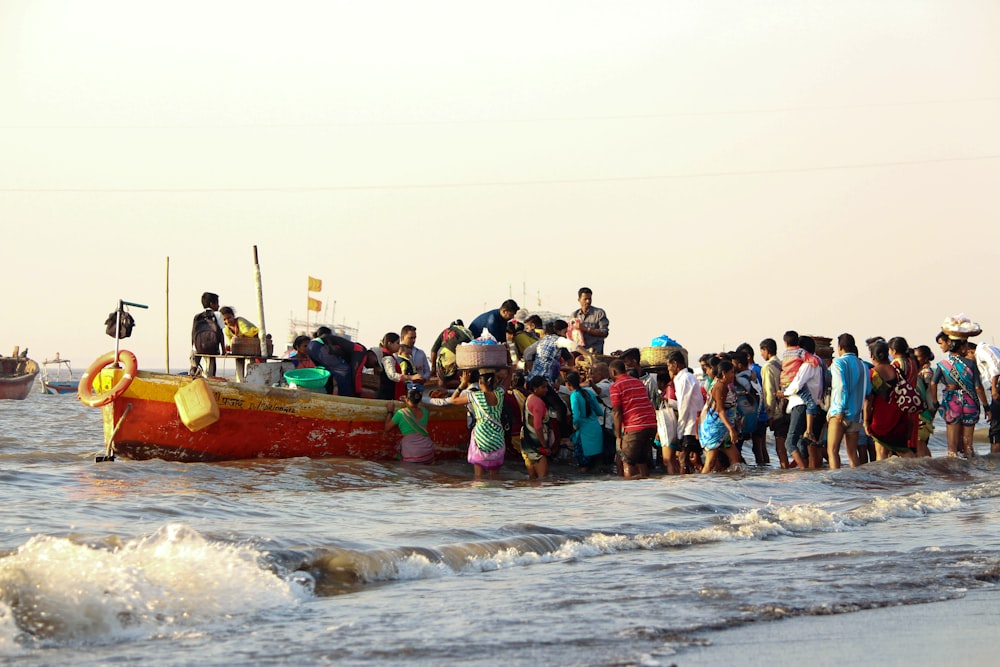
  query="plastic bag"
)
[
  {"x": 666, "y": 426},
  {"x": 988, "y": 360},
  {"x": 663, "y": 340},
  {"x": 486, "y": 338},
  {"x": 573, "y": 331},
  {"x": 119, "y": 324}
]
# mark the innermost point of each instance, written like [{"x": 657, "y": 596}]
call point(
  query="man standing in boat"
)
[
  {"x": 495, "y": 321},
  {"x": 206, "y": 334},
  {"x": 408, "y": 336},
  {"x": 593, "y": 321}
]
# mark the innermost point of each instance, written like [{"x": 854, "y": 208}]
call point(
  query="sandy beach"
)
[{"x": 953, "y": 632}]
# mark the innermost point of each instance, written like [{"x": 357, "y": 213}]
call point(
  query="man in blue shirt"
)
[
  {"x": 495, "y": 321},
  {"x": 851, "y": 385}
]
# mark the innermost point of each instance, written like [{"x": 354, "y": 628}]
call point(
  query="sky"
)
[{"x": 717, "y": 171}]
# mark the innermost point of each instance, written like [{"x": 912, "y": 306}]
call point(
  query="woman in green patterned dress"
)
[{"x": 486, "y": 445}]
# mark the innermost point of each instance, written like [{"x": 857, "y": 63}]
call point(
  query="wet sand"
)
[{"x": 954, "y": 632}]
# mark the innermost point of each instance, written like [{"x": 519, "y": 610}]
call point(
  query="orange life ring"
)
[{"x": 85, "y": 390}]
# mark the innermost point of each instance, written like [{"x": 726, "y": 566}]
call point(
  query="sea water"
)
[{"x": 304, "y": 561}]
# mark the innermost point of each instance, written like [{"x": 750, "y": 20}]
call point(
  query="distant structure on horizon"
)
[{"x": 307, "y": 327}]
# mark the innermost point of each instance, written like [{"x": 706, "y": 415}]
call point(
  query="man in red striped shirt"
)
[{"x": 635, "y": 421}]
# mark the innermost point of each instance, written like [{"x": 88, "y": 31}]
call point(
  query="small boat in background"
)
[
  {"x": 60, "y": 382},
  {"x": 17, "y": 375}
]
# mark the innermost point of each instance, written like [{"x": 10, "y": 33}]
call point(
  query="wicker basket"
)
[
  {"x": 656, "y": 357},
  {"x": 824, "y": 347},
  {"x": 961, "y": 327},
  {"x": 962, "y": 334},
  {"x": 246, "y": 346},
  {"x": 470, "y": 355}
]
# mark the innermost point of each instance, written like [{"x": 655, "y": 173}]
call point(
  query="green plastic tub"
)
[{"x": 313, "y": 379}]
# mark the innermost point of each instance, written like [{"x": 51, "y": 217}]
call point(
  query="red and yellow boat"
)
[{"x": 143, "y": 420}]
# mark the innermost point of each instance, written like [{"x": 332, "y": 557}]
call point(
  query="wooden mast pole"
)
[
  {"x": 166, "y": 310},
  {"x": 260, "y": 304}
]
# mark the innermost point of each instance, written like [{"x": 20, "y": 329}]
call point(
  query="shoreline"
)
[{"x": 949, "y": 632}]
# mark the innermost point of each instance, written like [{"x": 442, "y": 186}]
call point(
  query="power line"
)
[
  {"x": 500, "y": 184},
  {"x": 501, "y": 121}
]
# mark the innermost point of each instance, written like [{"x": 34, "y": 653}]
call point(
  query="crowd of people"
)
[{"x": 560, "y": 398}]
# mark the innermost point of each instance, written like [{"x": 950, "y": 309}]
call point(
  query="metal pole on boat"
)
[
  {"x": 167, "y": 315},
  {"x": 260, "y": 304},
  {"x": 118, "y": 328}
]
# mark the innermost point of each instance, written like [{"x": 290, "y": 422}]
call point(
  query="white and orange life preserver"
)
[{"x": 85, "y": 390}]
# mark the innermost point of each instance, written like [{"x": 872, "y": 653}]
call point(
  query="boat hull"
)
[
  {"x": 17, "y": 387},
  {"x": 54, "y": 387},
  {"x": 260, "y": 422}
]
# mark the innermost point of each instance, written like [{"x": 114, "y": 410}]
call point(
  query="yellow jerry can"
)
[{"x": 196, "y": 405}]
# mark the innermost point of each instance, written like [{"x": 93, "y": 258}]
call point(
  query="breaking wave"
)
[
  {"x": 58, "y": 590},
  {"x": 337, "y": 570},
  {"x": 70, "y": 590}
]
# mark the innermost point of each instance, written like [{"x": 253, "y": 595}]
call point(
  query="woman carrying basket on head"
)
[
  {"x": 962, "y": 399},
  {"x": 486, "y": 445}
]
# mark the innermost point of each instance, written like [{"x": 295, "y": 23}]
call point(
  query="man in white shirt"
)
[
  {"x": 690, "y": 401},
  {"x": 988, "y": 360}
]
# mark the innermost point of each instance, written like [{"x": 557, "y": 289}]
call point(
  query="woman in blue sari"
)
[
  {"x": 587, "y": 437},
  {"x": 962, "y": 400},
  {"x": 717, "y": 431}
]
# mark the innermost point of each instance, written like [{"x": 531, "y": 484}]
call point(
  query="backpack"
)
[
  {"x": 207, "y": 334},
  {"x": 124, "y": 324},
  {"x": 747, "y": 404}
]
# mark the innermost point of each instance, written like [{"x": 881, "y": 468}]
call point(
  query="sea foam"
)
[
  {"x": 361, "y": 567},
  {"x": 58, "y": 590}
]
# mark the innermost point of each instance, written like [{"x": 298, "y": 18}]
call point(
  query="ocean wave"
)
[
  {"x": 67, "y": 591},
  {"x": 896, "y": 471},
  {"x": 339, "y": 570},
  {"x": 56, "y": 590}
]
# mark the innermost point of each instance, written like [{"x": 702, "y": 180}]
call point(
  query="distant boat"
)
[
  {"x": 62, "y": 381},
  {"x": 17, "y": 376}
]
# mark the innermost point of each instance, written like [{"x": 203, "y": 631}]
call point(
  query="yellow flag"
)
[
  {"x": 315, "y": 285},
  {"x": 315, "y": 304}
]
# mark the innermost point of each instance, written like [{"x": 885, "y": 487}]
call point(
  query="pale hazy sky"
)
[{"x": 717, "y": 171}]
